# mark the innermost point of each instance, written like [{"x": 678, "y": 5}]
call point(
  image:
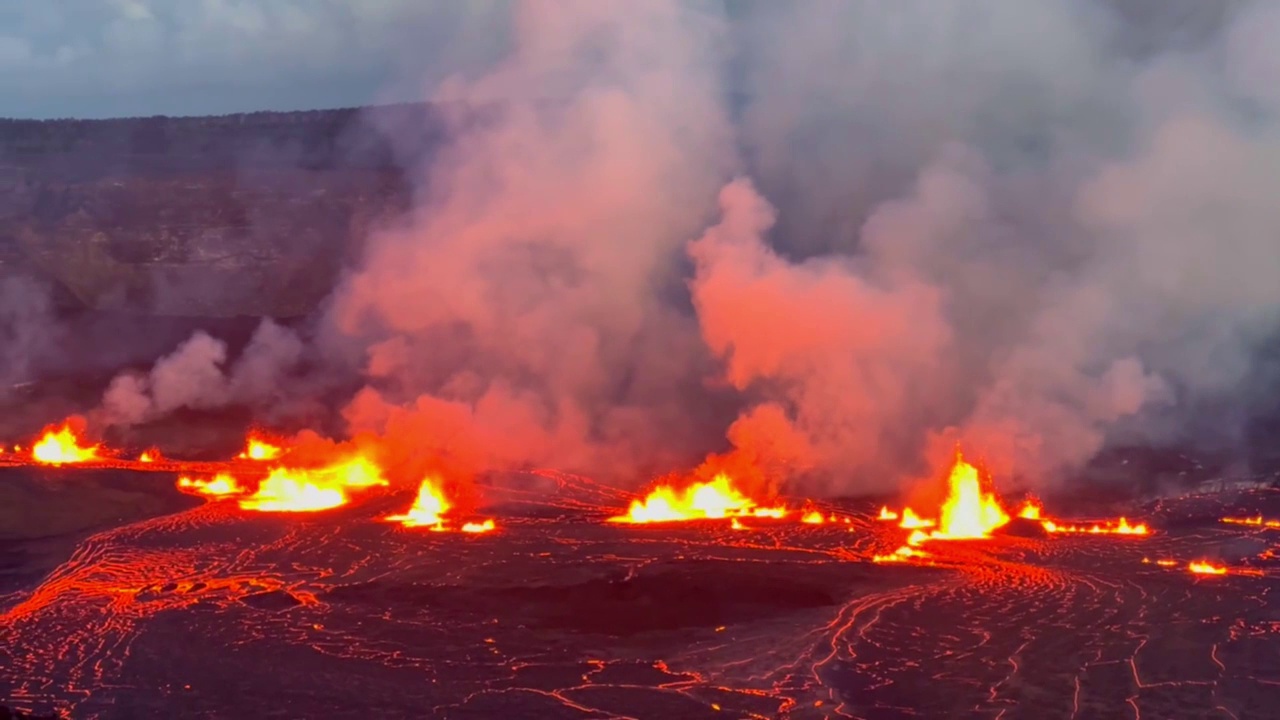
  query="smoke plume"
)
[
  {"x": 196, "y": 376},
  {"x": 812, "y": 243}
]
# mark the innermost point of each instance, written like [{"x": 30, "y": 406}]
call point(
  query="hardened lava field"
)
[{"x": 195, "y": 609}]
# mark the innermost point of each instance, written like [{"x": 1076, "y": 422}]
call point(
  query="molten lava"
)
[
  {"x": 259, "y": 449},
  {"x": 61, "y": 446},
  {"x": 911, "y": 521},
  {"x": 1030, "y": 511},
  {"x": 1204, "y": 568},
  {"x": 1255, "y": 521},
  {"x": 701, "y": 501},
  {"x": 1122, "y": 527},
  {"x": 813, "y": 517},
  {"x": 149, "y": 456},
  {"x": 886, "y": 514},
  {"x": 968, "y": 512},
  {"x": 309, "y": 490},
  {"x": 428, "y": 508},
  {"x": 902, "y": 554},
  {"x": 221, "y": 485}
]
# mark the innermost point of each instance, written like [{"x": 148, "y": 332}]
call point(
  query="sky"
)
[{"x": 120, "y": 58}]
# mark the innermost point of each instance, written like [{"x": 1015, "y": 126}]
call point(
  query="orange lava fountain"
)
[
  {"x": 149, "y": 456},
  {"x": 717, "y": 499},
  {"x": 886, "y": 514},
  {"x": 968, "y": 512},
  {"x": 61, "y": 446},
  {"x": 429, "y": 508},
  {"x": 1204, "y": 568},
  {"x": 1030, "y": 511},
  {"x": 309, "y": 490}
]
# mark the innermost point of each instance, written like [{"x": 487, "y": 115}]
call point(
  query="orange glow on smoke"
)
[
  {"x": 221, "y": 485},
  {"x": 886, "y": 514},
  {"x": 1204, "y": 568},
  {"x": 259, "y": 449},
  {"x": 61, "y": 446},
  {"x": 309, "y": 490},
  {"x": 701, "y": 501}
]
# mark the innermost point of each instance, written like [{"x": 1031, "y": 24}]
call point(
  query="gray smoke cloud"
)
[
  {"x": 814, "y": 243},
  {"x": 197, "y": 376}
]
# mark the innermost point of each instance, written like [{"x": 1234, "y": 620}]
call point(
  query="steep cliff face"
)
[{"x": 208, "y": 217}]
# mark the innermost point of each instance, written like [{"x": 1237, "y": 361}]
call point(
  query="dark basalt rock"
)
[
  {"x": 1021, "y": 527},
  {"x": 9, "y": 714}
]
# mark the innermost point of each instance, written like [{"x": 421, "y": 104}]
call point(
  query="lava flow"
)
[
  {"x": 61, "y": 446},
  {"x": 1255, "y": 521},
  {"x": 713, "y": 500},
  {"x": 1204, "y": 568},
  {"x": 429, "y": 509},
  {"x": 312, "y": 489}
]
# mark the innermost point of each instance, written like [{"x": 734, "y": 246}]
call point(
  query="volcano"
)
[{"x": 180, "y": 606}]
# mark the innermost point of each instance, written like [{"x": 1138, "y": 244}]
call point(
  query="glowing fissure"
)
[{"x": 713, "y": 500}]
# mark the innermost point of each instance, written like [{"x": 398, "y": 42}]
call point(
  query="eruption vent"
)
[{"x": 61, "y": 446}]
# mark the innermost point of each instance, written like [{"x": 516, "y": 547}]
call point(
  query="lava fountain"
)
[
  {"x": 428, "y": 508},
  {"x": 713, "y": 500},
  {"x": 968, "y": 512},
  {"x": 61, "y": 446},
  {"x": 309, "y": 490}
]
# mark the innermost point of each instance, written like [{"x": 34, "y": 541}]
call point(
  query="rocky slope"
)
[{"x": 208, "y": 217}]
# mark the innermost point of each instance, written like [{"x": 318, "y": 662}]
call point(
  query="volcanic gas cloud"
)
[{"x": 805, "y": 247}]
